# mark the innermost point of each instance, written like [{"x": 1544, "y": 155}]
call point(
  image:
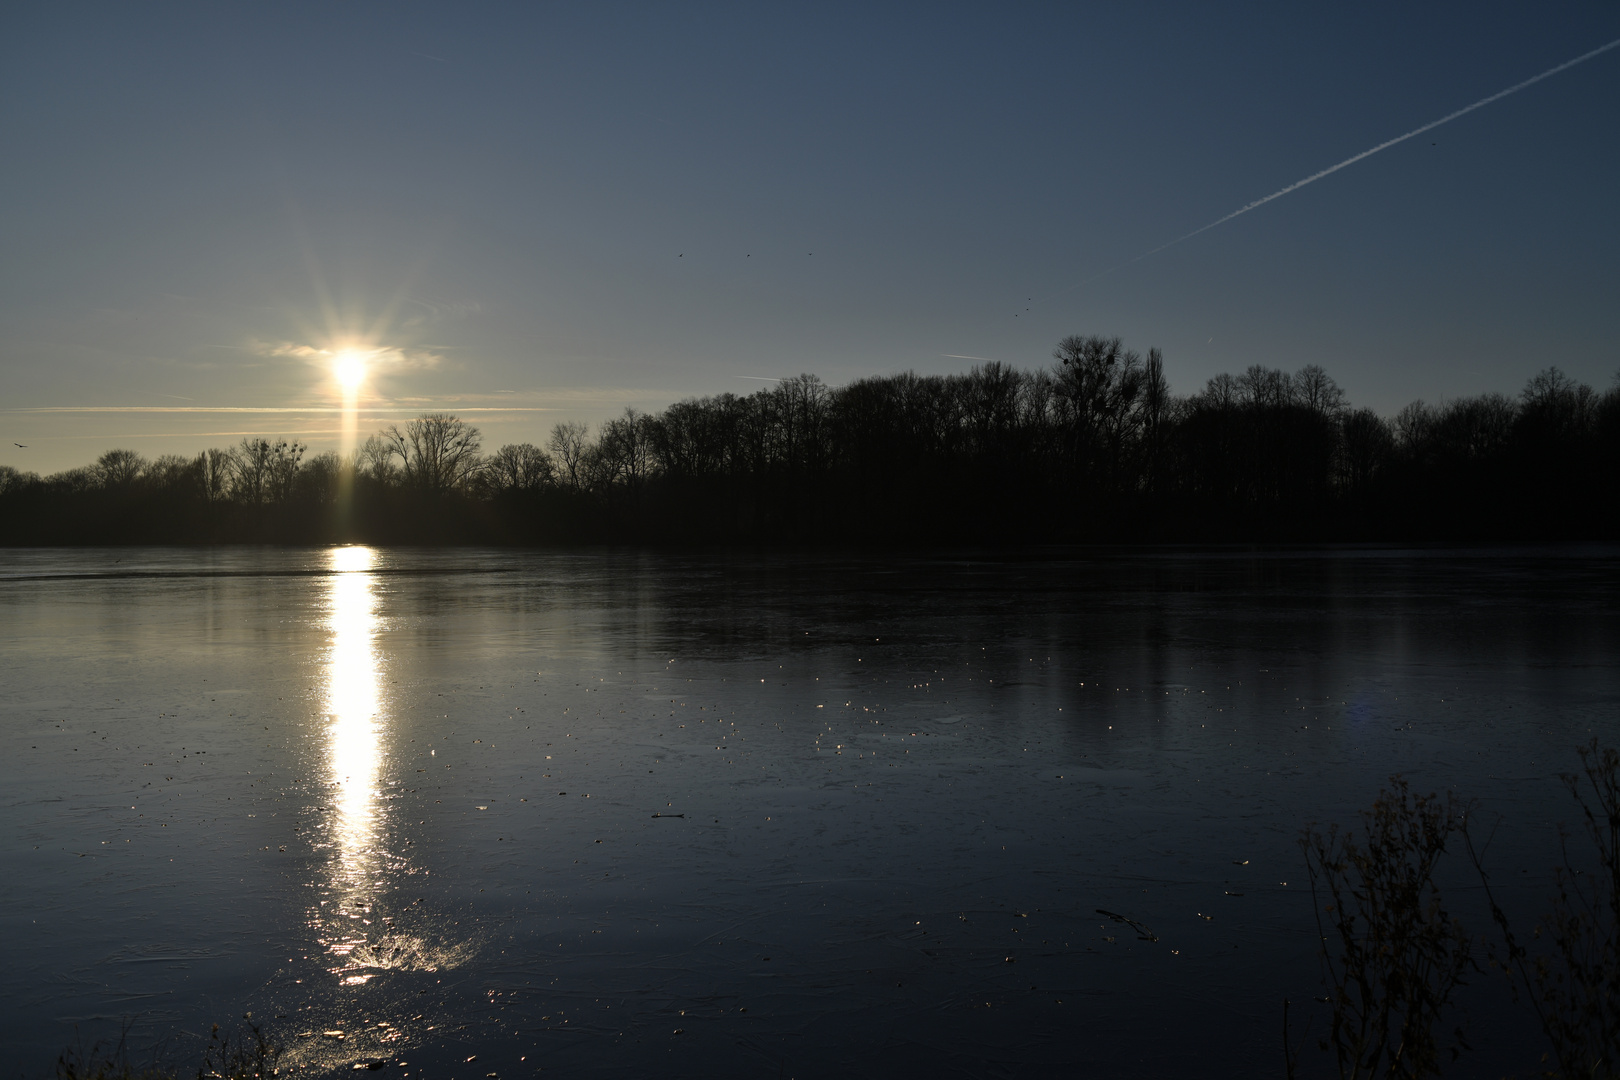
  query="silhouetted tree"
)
[
  {"x": 1365, "y": 448},
  {"x": 12, "y": 480},
  {"x": 252, "y": 467},
  {"x": 119, "y": 468},
  {"x": 568, "y": 443},
  {"x": 1315, "y": 389},
  {"x": 286, "y": 459},
  {"x": 316, "y": 482},
  {"x": 171, "y": 473},
  {"x": 1094, "y": 447},
  {"x": 520, "y": 467},
  {"x": 375, "y": 460},
  {"x": 623, "y": 454},
  {"x": 437, "y": 452}
]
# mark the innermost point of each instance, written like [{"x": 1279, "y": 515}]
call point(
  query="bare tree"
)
[
  {"x": 801, "y": 414},
  {"x": 569, "y": 443},
  {"x": 214, "y": 470},
  {"x": 519, "y": 467},
  {"x": 624, "y": 450},
  {"x": 1473, "y": 428},
  {"x": 375, "y": 459},
  {"x": 15, "y": 480},
  {"x": 437, "y": 452},
  {"x": 265, "y": 471},
  {"x": 1315, "y": 389},
  {"x": 1414, "y": 425},
  {"x": 1557, "y": 409},
  {"x": 318, "y": 480},
  {"x": 171, "y": 472},
  {"x": 1264, "y": 387},
  {"x": 1365, "y": 446},
  {"x": 285, "y": 460},
  {"x": 119, "y": 468},
  {"x": 1221, "y": 392},
  {"x": 73, "y": 481},
  {"x": 1156, "y": 411},
  {"x": 251, "y": 467},
  {"x": 1088, "y": 368},
  {"x": 1101, "y": 383}
]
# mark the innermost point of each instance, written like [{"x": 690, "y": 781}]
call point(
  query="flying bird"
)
[{"x": 19, "y": 444}]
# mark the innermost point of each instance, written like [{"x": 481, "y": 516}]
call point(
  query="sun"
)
[{"x": 349, "y": 365}]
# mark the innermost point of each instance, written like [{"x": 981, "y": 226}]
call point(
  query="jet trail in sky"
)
[
  {"x": 1430, "y": 126},
  {"x": 1330, "y": 170}
]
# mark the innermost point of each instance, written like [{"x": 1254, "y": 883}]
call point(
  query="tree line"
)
[{"x": 1094, "y": 447}]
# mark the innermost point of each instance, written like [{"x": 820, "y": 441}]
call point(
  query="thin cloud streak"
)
[
  {"x": 278, "y": 433},
  {"x": 366, "y": 410}
]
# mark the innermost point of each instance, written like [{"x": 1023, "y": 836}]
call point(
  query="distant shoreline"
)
[{"x": 1094, "y": 450}]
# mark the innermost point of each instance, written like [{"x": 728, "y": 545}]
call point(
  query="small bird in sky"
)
[{"x": 19, "y": 444}]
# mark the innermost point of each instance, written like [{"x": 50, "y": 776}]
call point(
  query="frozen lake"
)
[{"x": 676, "y": 815}]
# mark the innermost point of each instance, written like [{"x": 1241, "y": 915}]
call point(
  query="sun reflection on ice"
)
[
  {"x": 354, "y": 721},
  {"x": 359, "y": 939},
  {"x": 353, "y": 707}
]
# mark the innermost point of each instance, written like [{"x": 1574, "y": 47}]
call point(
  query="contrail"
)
[
  {"x": 1431, "y": 125},
  {"x": 1347, "y": 162}
]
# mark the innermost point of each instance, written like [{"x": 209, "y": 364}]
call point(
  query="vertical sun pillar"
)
[{"x": 349, "y": 368}]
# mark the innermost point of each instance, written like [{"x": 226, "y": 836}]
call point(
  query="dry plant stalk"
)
[
  {"x": 1391, "y": 952},
  {"x": 1575, "y": 986},
  {"x": 250, "y": 1056}
]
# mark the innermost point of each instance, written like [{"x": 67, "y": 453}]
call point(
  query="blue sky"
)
[{"x": 546, "y": 212}]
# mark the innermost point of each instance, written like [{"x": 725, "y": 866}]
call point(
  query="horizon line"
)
[{"x": 266, "y": 409}]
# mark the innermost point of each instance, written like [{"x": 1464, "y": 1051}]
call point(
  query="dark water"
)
[{"x": 631, "y": 815}]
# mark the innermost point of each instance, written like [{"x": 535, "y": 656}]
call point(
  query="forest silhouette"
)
[{"x": 1094, "y": 448}]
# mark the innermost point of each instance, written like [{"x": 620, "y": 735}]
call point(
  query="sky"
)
[{"x": 531, "y": 213}]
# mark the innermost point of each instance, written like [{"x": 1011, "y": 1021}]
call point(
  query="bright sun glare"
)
[{"x": 350, "y": 368}]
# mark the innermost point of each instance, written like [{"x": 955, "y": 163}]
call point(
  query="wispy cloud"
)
[{"x": 384, "y": 358}]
